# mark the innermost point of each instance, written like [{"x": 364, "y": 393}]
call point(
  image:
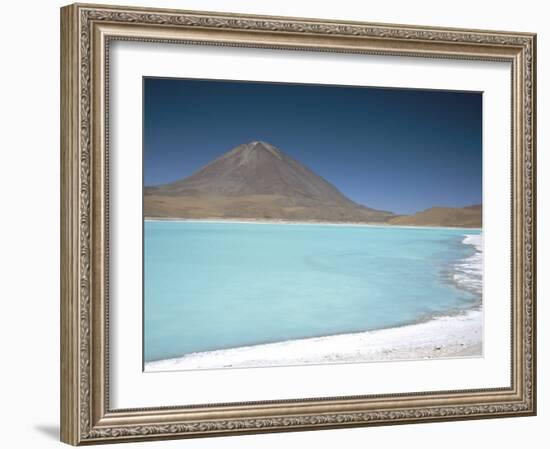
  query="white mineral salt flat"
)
[{"x": 450, "y": 336}]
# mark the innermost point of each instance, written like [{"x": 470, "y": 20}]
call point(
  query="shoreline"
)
[
  {"x": 442, "y": 337},
  {"x": 467, "y": 273},
  {"x": 292, "y": 222}
]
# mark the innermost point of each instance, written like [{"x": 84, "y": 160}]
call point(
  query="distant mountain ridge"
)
[
  {"x": 256, "y": 180},
  {"x": 466, "y": 217}
]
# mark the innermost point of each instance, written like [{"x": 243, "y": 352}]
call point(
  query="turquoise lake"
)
[{"x": 216, "y": 285}]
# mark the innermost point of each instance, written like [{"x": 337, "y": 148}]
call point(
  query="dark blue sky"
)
[{"x": 401, "y": 150}]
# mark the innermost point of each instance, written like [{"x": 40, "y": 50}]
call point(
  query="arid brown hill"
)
[
  {"x": 256, "y": 181},
  {"x": 467, "y": 217}
]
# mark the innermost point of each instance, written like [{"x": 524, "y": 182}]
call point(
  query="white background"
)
[
  {"x": 29, "y": 237},
  {"x": 131, "y": 388}
]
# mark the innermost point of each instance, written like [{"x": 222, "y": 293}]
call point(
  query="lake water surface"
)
[{"x": 216, "y": 285}]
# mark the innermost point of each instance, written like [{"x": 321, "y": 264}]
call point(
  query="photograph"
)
[{"x": 298, "y": 224}]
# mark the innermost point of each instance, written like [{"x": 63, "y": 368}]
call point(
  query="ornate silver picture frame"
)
[{"x": 87, "y": 32}]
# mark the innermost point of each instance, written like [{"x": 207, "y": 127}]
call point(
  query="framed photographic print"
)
[{"x": 280, "y": 224}]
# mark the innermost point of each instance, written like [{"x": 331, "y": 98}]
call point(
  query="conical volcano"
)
[{"x": 256, "y": 180}]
